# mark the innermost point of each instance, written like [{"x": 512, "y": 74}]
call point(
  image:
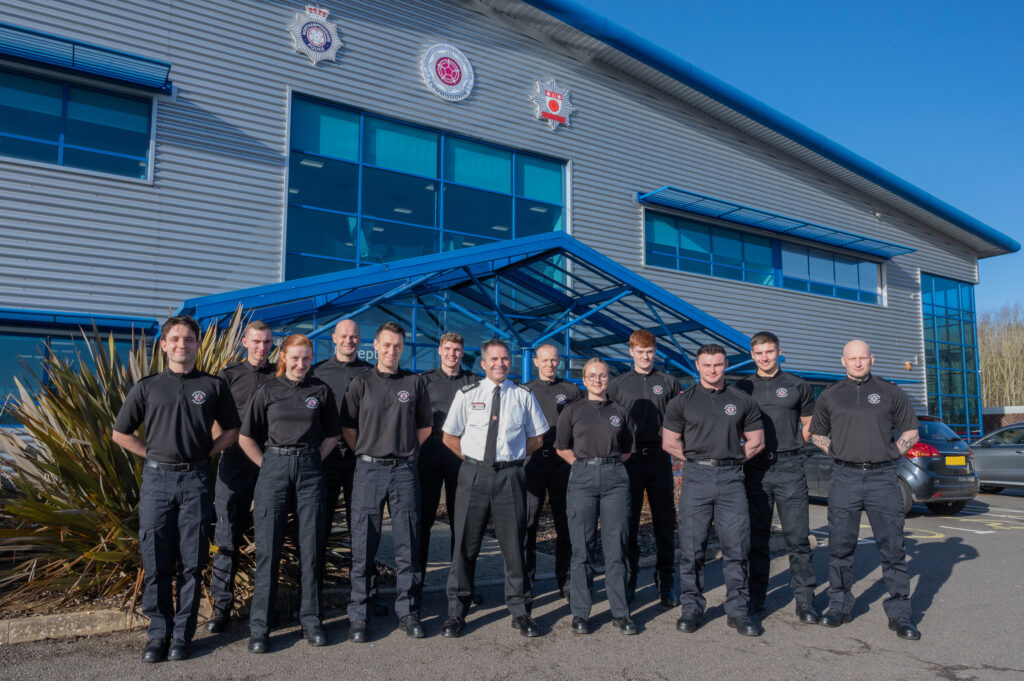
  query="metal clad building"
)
[{"x": 208, "y": 207}]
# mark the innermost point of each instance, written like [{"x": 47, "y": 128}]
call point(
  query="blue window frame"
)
[
  {"x": 951, "y": 353},
  {"x": 691, "y": 246},
  {"x": 69, "y": 125},
  {"x": 363, "y": 189}
]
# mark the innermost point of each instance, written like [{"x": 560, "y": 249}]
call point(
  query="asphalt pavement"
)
[{"x": 967, "y": 591}]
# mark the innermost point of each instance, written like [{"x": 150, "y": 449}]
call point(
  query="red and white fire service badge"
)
[
  {"x": 447, "y": 72},
  {"x": 314, "y": 36},
  {"x": 553, "y": 102}
]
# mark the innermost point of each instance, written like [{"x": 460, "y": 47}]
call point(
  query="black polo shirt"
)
[
  {"x": 387, "y": 410},
  {"x": 595, "y": 429},
  {"x": 338, "y": 375},
  {"x": 859, "y": 416},
  {"x": 712, "y": 422},
  {"x": 645, "y": 396},
  {"x": 243, "y": 379},
  {"x": 287, "y": 413},
  {"x": 178, "y": 411},
  {"x": 783, "y": 399},
  {"x": 553, "y": 397},
  {"x": 442, "y": 388}
]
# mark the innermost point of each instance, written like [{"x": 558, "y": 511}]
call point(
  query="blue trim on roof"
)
[
  {"x": 629, "y": 43},
  {"x": 74, "y": 320},
  {"x": 34, "y": 47},
  {"x": 699, "y": 204}
]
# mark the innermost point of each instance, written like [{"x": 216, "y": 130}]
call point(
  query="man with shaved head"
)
[
  {"x": 854, "y": 421},
  {"x": 546, "y": 473}
]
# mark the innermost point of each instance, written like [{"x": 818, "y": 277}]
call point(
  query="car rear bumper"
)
[{"x": 927, "y": 486}]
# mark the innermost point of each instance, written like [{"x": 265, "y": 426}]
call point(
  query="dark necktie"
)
[{"x": 491, "y": 447}]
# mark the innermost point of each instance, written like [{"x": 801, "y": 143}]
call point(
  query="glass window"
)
[
  {"x": 324, "y": 183},
  {"x": 478, "y": 165},
  {"x": 868, "y": 275},
  {"x": 539, "y": 179},
  {"x": 477, "y": 212},
  {"x": 32, "y": 108},
  {"x": 537, "y": 218},
  {"x": 404, "y": 198},
  {"x": 847, "y": 272},
  {"x": 694, "y": 241},
  {"x": 794, "y": 261},
  {"x": 661, "y": 230},
  {"x": 821, "y": 266},
  {"x": 325, "y": 130},
  {"x": 389, "y": 174},
  {"x": 389, "y": 241},
  {"x": 401, "y": 147},
  {"x": 52, "y": 122}
]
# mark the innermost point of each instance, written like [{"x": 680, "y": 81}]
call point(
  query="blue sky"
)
[{"x": 929, "y": 90}]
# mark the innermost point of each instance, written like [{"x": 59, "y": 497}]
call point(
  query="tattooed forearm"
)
[
  {"x": 906, "y": 441},
  {"x": 821, "y": 442}
]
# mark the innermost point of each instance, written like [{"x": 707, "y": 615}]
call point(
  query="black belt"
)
[
  {"x": 291, "y": 450},
  {"x": 781, "y": 454},
  {"x": 386, "y": 460},
  {"x": 865, "y": 466},
  {"x": 647, "y": 451},
  {"x": 716, "y": 462},
  {"x": 498, "y": 465},
  {"x": 181, "y": 467},
  {"x": 599, "y": 460},
  {"x": 545, "y": 451}
]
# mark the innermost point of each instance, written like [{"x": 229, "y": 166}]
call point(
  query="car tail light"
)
[
  {"x": 970, "y": 454},
  {"x": 920, "y": 450}
]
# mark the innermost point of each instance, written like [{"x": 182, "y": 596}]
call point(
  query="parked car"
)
[
  {"x": 999, "y": 458},
  {"x": 937, "y": 471}
]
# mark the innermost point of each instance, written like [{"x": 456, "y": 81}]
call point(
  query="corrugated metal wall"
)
[{"x": 212, "y": 218}]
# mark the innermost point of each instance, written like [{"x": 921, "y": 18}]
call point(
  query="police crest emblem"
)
[{"x": 314, "y": 36}]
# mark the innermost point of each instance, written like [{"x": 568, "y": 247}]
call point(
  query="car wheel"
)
[
  {"x": 946, "y": 507},
  {"x": 992, "y": 489},
  {"x": 908, "y": 498}
]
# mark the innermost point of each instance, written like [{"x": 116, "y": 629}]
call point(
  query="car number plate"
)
[{"x": 956, "y": 460}]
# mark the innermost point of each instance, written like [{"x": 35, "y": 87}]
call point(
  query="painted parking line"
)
[{"x": 964, "y": 529}]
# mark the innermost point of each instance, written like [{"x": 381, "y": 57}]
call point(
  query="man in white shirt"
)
[{"x": 493, "y": 425}]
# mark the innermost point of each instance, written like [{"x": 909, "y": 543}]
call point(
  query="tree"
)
[{"x": 1000, "y": 346}]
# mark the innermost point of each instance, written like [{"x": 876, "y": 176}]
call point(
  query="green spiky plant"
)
[{"x": 69, "y": 504}]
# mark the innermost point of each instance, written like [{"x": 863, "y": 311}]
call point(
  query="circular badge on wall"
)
[
  {"x": 403, "y": 396},
  {"x": 447, "y": 72},
  {"x": 874, "y": 398},
  {"x": 312, "y": 402},
  {"x": 781, "y": 392},
  {"x": 730, "y": 409},
  {"x": 198, "y": 397}
]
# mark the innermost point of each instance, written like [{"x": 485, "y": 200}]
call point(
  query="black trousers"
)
[
  {"x": 780, "y": 483},
  {"x": 483, "y": 494},
  {"x": 438, "y": 467},
  {"x": 547, "y": 475},
  {"x": 339, "y": 469},
  {"x": 232, "y": 503},
  {"x": 397, "y": 485},
  {"x": 876, "y": 492},
  {"x": 652, "y": 473},
  {"x": 288, "y": 483},
  {"x": 713, "y": 493},
  {"x": 174, "y": 522},
  {"x": 599, "y": 492}
]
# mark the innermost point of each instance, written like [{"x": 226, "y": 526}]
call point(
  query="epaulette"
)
[
  {"x": 471, "y": 386},
  {"x": 525, "y": 387}
]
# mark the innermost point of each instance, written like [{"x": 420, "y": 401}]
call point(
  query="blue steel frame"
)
[
  {"x": 528, "y": 291},
  {"x": 74, "y": 56}
]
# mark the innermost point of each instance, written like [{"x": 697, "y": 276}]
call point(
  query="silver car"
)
[{"x": 999, "y": 458}]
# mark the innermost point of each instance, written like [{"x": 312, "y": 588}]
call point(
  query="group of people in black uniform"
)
[{"x": 293, "y": 437}]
